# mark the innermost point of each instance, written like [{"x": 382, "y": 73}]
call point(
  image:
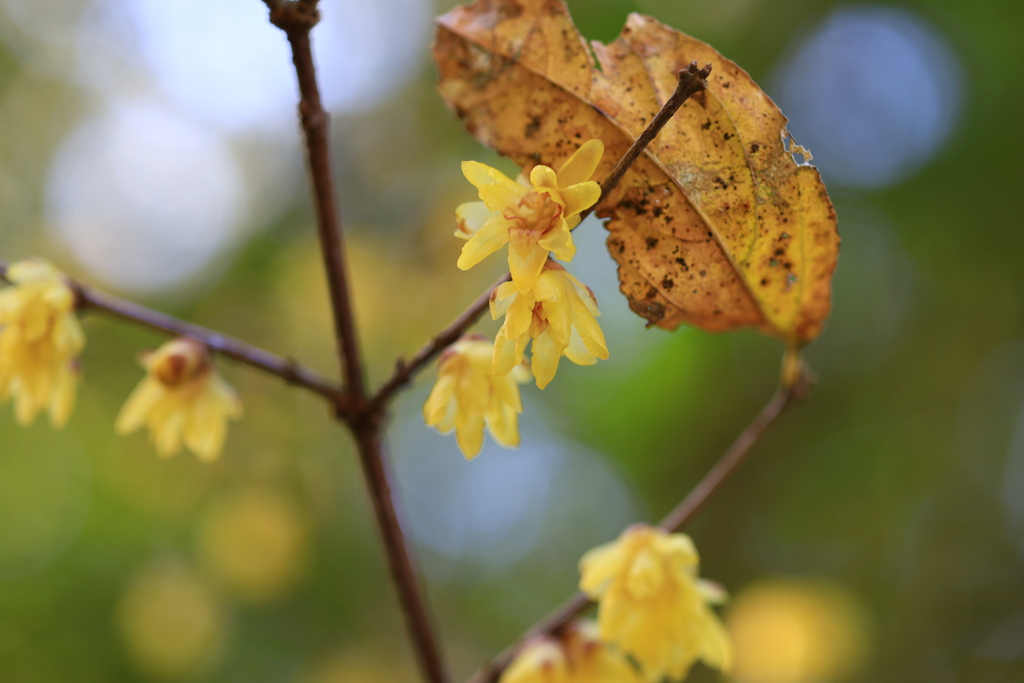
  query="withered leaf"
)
[{"x": 716, "y": 224}]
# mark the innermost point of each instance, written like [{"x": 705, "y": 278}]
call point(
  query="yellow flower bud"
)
[
  {"x": 652, "y": 604},
  {"x": 40, "y": 341},
  {"x": 181, "y": 399}
]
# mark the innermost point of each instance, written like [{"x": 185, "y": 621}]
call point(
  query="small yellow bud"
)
[
  {"x": 181, "y": 399},
  {"x": 40, "y": 341},
  {"x": 652, "y": 604},
  {"x": 468, "y": 394}
]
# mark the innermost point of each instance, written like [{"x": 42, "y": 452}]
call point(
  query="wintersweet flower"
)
[
  {"x": 558, "y": 314},
  {"x": 652, "y": 605},
  {"x": 540, "y": 661},
  {"x": 181, "y": 399},
  {"x": 40, "y": 341},
  {"x": 579, "y": 657},
  {"x": 592, "y": 661},
  {"x": 535, "y": 215},
  {"x": 467, "y": 395}
]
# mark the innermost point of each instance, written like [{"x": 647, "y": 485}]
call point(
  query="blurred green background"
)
[{"x": 151, "y": 148}]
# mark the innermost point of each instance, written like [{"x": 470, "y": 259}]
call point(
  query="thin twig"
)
[
  {"x": 449, "y": 335},
  {"x": 679, "y": 517},
  {"x": 221, "y": 344},
  {"x": 296, "y": 19},
  {"x": 691, "y": 81}
]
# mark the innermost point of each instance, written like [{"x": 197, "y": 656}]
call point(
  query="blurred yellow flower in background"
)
[
  {"x": 468, "y": 394},
  {"x": 170, "y": 622},
  {"x": 540, "y": 661},
  {"x": 579, "y": 657},
  {"x": 254, "y": 543},
  {"x": 652, "y": 604},
  {"x": 797, "y": 631},
  {"x": 361, "y": 662},
  {"x": 558, "y": 314},
  {"x": 181, "y": 399},
  {"x": 591, "y": 661},
  {"x": 40, "y": 341},
  {"x": 535, "y": 215}
]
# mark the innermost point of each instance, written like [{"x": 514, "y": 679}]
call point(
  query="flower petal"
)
[
  {"x": 580, "y": 196},
  {"x": 435, "y": 408},
  {"x": 525, "y": 271},
  {"x": 499, "y": 186},
  {"x": 489, "y": 239},
  {"x": 577, "y": 351},
  {"x": 544, "y": 361},
  {"x": 469, "y": 432},
  {"x": 559, "y": 241},
  {"x": 503, "y": 423},
  {"x": 504, "y": 356},
  {"x": 581, "y": 165},
  {"x": 136, "y": 409},
  {"x": 470, "y": 217}
]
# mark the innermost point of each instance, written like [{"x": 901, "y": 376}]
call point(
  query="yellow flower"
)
[
  {"x": 467, "y": 394},
  {"x": 540, "y": 661},
  {"x": 535, "y": 216},
  {"x": 580, "y": 657},
  {"x": 182, "y": 398},
  {"x": 652, "y": 604},
  {"x": 40, "y": 340},
  {"x": 591, "y": 661},
  {"x": 558, "y": 314}
]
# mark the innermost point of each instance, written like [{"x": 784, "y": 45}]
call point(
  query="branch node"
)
[{"x": 293, "y": 16}]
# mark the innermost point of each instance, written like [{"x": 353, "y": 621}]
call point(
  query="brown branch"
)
[
  {"x": 378, "y": 476},
  {"x": 691, "y": 81},
  {"x": 296, "y": 19},
  {"x": 679, "y": 517},
  {"x": 221, "y": 344},
  {"x": 449, "y": 335}
]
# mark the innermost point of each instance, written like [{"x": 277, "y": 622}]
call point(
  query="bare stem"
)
[
  {"x": 377, "y": 474},
  {"x": 221, "y": 344},
  {"x": 691, "y": 81},
  {"x": 449, "y": 335},
  {"x": 679, "y": 517},
  {"x": 296, "y": 19}
]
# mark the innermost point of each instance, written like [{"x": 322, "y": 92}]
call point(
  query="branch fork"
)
[{"x": 365, "y": 414}]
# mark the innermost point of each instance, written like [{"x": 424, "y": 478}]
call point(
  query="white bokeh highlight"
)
[
  {"x": 143, "y": 197},
  {"x": 474, "y": 519},
  {"x": 873, "y": 92},
  {"x": 224, "y": 63}
]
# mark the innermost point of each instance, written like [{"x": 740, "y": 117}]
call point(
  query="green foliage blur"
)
[{"x": 886, "y": 513}]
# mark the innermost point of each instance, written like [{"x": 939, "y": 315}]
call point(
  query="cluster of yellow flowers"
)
[
  {"x": 181, "y": 399},
  {"x": 478, "y": 380},
  {"x": 652, "y": 608}
]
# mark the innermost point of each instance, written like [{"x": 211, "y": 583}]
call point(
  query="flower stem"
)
[{"x": 297, "y": 18}]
